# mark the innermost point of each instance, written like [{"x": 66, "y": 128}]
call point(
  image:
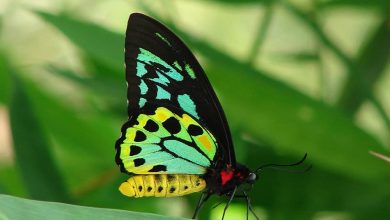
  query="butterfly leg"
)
[
  {"x": 247, "y": 209},
  {"x": 216, "y": 205},
  {"x": 244, "y": 195},
  {"x": 203, "y": 198},
  {"x": 249, "y": 206},
  {"x": 248, "y": 202},
  {"x": 230, "y": 200}
]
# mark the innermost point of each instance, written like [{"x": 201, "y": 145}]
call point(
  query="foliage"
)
[
  {"x": 63, "y": 142},
  {"x": 15, "y": 208}
]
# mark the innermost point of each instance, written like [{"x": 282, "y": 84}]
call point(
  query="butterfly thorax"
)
[{"x": 223, "y": 181}]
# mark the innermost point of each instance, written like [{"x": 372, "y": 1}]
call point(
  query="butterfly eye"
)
[{"x": 251, "y": 178}]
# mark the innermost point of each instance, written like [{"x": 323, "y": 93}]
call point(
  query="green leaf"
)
[
  {"x": 16, "y": 208},
  {"x": 381, "y": 4},
  {"x": 2, "y": 189},
  {"x": 237, "y": 2},
  {"x": 38, "y": 169},
  {"x": 265, "y": 108},
  {"x": 5, "y": 81},
  {"x": 316, "y": 29},
  {"x": 10, "y": 180},
  {"x": 86, "y": 139},
  {"x": 305, "y": 194},
  {"x": 111, "y": 54},
  {"x": 369, "y": 67},
  {"x": 99, "y": 88},
  {"x": 299, "y": 57},
  {"x": 261, "y": 34},
  {"x": 289, "y": 120}
]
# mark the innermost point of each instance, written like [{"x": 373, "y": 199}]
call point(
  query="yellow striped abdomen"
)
[{"x": 162, "y": 185}]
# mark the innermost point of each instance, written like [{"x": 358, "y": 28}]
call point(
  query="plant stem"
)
[
  {"x": 370, "y": 65},
  {"x": 261, "y": 33},
  {"x": 381, "y": 110},
  {"x": 312, "y": 24}
]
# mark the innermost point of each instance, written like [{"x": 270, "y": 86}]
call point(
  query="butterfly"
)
[{"x": 176, "y": 140}]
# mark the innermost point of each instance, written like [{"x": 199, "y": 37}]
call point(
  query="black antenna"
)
[{"x": 274, "y": 166}]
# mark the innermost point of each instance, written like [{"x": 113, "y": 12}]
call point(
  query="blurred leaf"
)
[
  {"x": 266, "y": 107},
  {"x": 380, "y": 109},
  {"x": 108, "y": 196},
  {"x": 39, "y": 171},
  {"x": 311, "y": 23},
  {"x": 298, "y": 58},
  {"x": 79, "y": 32},
  {"x": 2, "y": 189},
  {"x": 381, "y": 4},
  {"x": 292, "y": 122},
  {"x": 370, "y": 65},
  {"x": 304, "y": 194},
  {"x": 103, "y": 91},
  {"x": 100, "y": 69},
  {"x": 95, "y": 134},
  {"x": 237, "y": 2},
  {"x": 262, "y": 31},
  {"x": 85, "y": 138},
  {"x": 16, "y": 208},
  {"x": 5, "y": 80},
  {"x": 288, "y": 119},
  {"x": 11, "y": 181}
]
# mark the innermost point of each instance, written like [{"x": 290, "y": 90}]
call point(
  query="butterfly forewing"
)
[{"x": 162, "y": 72}]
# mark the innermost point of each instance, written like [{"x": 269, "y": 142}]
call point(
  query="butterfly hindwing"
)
[
  {"x": 162, "y": 72},
  {"x": 157, "y": 140}
]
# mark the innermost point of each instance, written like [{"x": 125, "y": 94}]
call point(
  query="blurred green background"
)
[{"x": 293, "y": 77}]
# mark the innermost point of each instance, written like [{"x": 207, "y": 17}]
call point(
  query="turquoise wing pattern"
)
[
  {"x": 160, "y": 141},
  {"x": 158, "y": 79},
  {"x": 163, "y": 76}
]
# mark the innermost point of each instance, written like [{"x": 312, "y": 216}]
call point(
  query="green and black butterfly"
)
[{"x": 176, "y": 140}]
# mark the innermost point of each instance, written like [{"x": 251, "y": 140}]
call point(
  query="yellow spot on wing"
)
[
  {"x": 125, "y": 150},
  {"x": 130, "y": 135},
  {"x": 187, "y": 120},
  {"x": 142, "y": 119},
  {"x": 205, "y": 141},
  {"x": 162, "y": 113}
]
